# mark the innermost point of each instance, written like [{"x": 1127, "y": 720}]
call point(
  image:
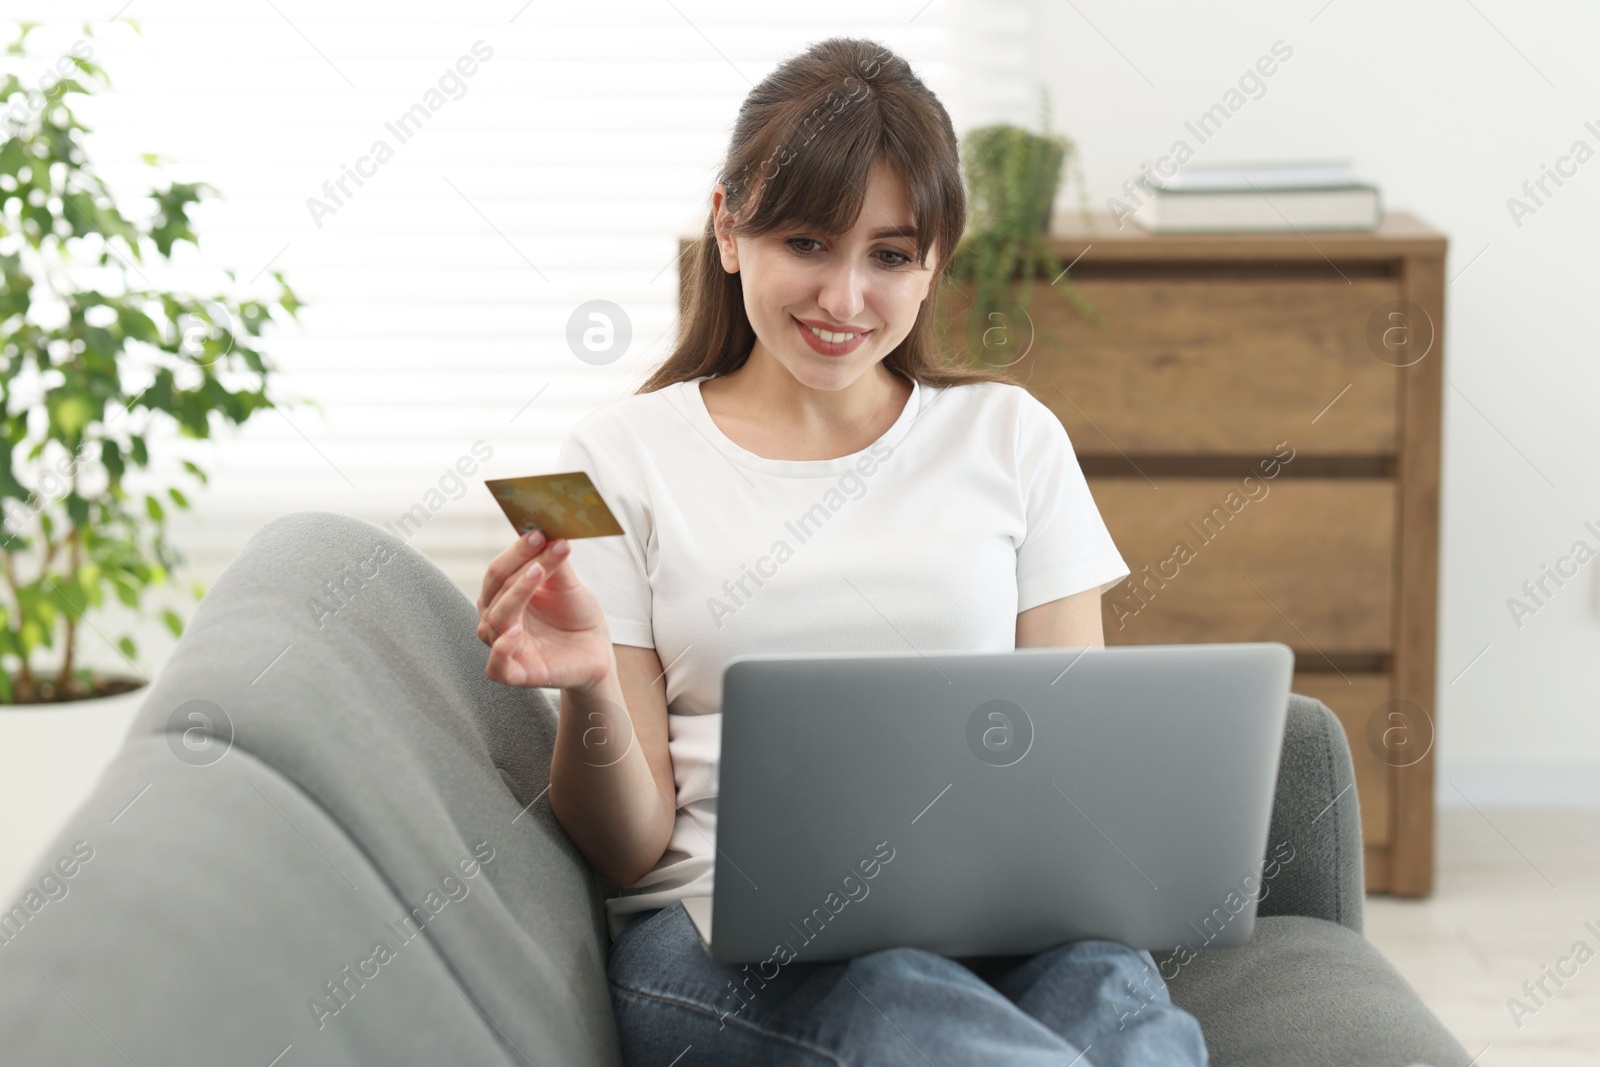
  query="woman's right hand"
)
[{"x": 544, "y": 627}]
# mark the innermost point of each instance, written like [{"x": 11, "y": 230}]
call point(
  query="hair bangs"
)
[
  {"x": 821, "y": 186},
  {"x": 821, "y": 183}
]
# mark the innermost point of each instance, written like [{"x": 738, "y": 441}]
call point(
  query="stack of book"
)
[{"x": 1314, "y": 195}]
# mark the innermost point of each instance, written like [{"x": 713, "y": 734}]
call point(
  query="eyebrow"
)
[{"x": 895, "y": 231}]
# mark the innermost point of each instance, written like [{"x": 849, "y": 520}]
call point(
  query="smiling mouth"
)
[{"x": 830, "y": 343}]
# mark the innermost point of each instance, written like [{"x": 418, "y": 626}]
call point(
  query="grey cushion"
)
[
  {"x": 211, "y": 915},
  {"x": 365, "y": 756},
  {"x": 1309, "y": 993},
  {"x": 1316, "y": 813}
]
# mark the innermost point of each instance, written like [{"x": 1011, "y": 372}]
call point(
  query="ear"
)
[{"x": 727, "y": 246}]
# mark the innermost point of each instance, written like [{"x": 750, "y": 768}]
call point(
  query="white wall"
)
[{"x": 1448, "y": 108}]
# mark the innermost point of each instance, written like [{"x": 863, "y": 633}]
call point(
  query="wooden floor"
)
[{"x": 1513, "y": 893}]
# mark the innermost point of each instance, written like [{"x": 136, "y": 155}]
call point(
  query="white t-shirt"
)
[{"x": 970, "y": 509}]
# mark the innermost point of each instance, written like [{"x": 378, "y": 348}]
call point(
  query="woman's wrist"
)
[{"x": 604, "y": 682}]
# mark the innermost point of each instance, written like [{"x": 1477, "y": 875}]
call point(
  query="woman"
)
[{"x": 806, "y": 473}]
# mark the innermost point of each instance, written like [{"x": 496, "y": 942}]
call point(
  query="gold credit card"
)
[{"x": 562, "y": 505}]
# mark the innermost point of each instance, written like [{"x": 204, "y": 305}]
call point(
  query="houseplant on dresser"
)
[{"x": 1013, "y": 176}]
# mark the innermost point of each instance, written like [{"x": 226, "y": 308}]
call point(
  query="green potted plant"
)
[
  {"x": 1012, "y": 177},
  {"x": 93, "y": 358}
]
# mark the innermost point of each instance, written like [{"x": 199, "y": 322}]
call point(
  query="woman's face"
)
[{"x": 864, "y": 284}]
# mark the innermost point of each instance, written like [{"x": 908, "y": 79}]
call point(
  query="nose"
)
[{"x": 843, "y": 292}]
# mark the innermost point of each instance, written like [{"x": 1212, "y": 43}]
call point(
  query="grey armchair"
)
[{"x": 325, "y": 841}]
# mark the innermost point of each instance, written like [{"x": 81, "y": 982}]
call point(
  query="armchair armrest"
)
[{"x": 1316, "y": 812}]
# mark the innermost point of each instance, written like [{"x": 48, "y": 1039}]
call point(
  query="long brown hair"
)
[{"x": 802, "y": 148}]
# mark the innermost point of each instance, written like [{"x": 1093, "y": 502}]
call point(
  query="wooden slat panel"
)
[
  {"x": 1417, "y": 563},
  {"x": 1218, "y": 365},
  {"x": 1379, "y": 867},
  {"x": 1355, "y": 699},
  {"x": 1310, "y": 562}
]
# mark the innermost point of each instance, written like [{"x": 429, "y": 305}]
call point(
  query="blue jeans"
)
[{"x": 1088, "y": 1003}]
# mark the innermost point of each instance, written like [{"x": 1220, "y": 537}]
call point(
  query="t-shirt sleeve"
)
[
  {"x": 614, "y": 568},
  {"x": 1067, "y": 547}
]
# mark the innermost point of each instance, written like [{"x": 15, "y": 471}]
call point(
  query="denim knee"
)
[{"x": 904, "y": 960}]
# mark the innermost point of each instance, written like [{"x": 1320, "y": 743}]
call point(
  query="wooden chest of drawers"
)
[{"x": 1258, "y": 419}]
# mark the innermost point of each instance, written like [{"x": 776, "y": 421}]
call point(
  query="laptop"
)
[{"x": 993, "y": 803}]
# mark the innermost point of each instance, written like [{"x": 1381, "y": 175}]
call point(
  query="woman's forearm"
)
[{"x": 609, "y": 805}]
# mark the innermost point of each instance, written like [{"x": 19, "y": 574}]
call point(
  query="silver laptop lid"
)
[{"x": 994, "y": 803}]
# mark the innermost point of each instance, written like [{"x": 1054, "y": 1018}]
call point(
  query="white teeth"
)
[{"x": 832, "y": 338}]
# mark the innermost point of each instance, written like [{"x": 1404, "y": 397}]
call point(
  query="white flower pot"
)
[{"x": 51, "y": 757}]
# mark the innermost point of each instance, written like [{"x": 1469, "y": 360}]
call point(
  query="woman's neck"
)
[{"x": 765, "y": 410}]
